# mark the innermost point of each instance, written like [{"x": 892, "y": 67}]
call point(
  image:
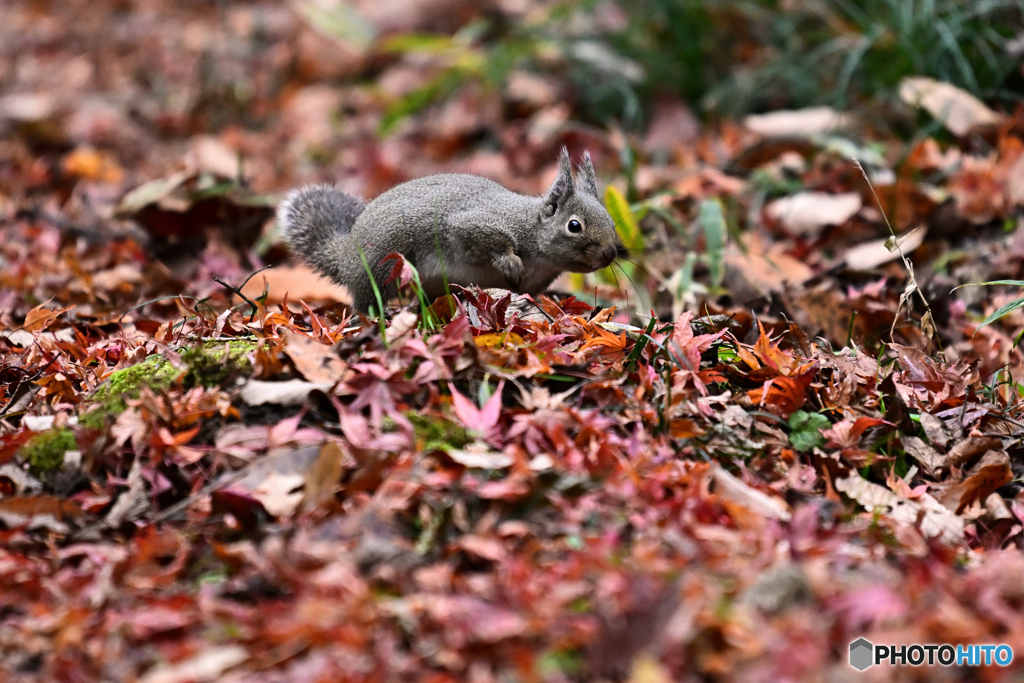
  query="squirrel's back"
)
[{"x": 428, "y": 202}]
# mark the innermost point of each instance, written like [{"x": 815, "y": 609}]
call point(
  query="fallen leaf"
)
[
  {"x": 495, "y": 340},
  {"x": 970, "y": 449},
  {"x": 298, "y": 283},
  {"x": 317, "y": 362},
  {"x": 401, "y": 325},
  {"x": 959, "y": 111},
  {"x": 324, "y": 475},
  {"x": 280, "y": 493},
  {"x": 481, "y": 420},
  {"x": 734, "y": 490},
  {"x": 479, "y": 456},
  {"x": 40, "y": 317},
  {"x": 935, "y": 430},
  {"x": 26, "y": 107},
  {"x": 806, "y": 214},
  {"x": 929, "y": 459},
  {"x": 290, "y": 392},
  {"x": 208, "y": 665},
  {"x": 992, "y": 472},
  {"x": 870, "y": 255},
  {"x": 935, "y": 520},
  {"x": 472, "y": 620},
  {"x": 151, "y": 192},
  {"x": 92, "y": 164},
  {"x": 768, "y": 270},
  {"x": 483, "y": 547},
  {"x": 797, "y": 122},
  {"x": 24, "y": 507}
]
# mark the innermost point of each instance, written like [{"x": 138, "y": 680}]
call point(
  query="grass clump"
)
[{"x": 747, "y": 55}]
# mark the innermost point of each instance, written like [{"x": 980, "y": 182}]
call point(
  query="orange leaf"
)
[
  {"x": 40, "y": 317},
  {"x": 496, "y": 340},
  {"x": 603, "y": 338},
  {"x": 684, "y": 429},
  {"x": 782, "y": 395}
]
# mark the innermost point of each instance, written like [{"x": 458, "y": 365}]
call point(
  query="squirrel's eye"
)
[{"x": 574, "y": 226}]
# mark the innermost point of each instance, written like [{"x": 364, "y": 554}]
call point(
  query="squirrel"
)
[{"x": 455, "y": 229}]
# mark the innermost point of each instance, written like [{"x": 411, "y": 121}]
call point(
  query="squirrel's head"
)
[{"x": 576, "y": 230}]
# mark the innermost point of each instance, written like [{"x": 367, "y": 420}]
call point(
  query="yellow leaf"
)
[
  {"x": 626, "y": 224},
  {"x": 495, "y": 340}
]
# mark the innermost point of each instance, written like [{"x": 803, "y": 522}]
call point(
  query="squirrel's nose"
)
[{"x": 608, "y": 254}]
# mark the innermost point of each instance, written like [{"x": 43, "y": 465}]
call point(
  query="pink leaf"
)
[{"x": 483, "y": 421}]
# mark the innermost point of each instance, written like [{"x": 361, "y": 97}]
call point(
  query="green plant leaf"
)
[
  {"x": 626, "y": 224},
  {"x": 712, "y": 222},
  {"x": 805, "y": 430},
  {"x": 1012, "y": 283},
  {"x": 1003, "y": 310},
  {"x": 340, "y": 20},
  {"x": 1008, "y": 308},
  {"x": 419, "y": 42}
]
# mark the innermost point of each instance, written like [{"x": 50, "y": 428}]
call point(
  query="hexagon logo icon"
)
[{"x": 861, "y": 654}]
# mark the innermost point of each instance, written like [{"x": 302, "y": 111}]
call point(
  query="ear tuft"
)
[
  {"x": 562, "y": 187},
  {"x": 586, "y": 176}
]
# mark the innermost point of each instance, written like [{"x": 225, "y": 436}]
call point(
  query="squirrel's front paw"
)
[{"x": 511, "y": 266}]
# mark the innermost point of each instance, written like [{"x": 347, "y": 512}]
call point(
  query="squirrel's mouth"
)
[
  {"x": 599, "y": 261},
  {"x": 582, "y": 267}
]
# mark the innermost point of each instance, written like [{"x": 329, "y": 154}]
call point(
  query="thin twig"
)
[
  {"x": 238, "y": 291},
  {"x": 928, "y": 320}
]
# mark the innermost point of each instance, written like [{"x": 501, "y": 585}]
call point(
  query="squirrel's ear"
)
[
  {"x": 586, "y": 176},
  {"x": 562, "y": 187}
]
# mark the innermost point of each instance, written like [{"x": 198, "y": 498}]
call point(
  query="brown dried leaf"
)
[
  {"x": 935, "y": 520},
  {"x": 991, "y": 472},
  {"x": 291, "y": 392},
  {"x": 797, "y": 122},
  {"x": 324, "y": 475},
  {"x": 734, "y": 490},
  {"x": 961, "y": 112},
  {"x": 806, "y": 214},
  {"x": 208, "y": 665},
  {"x": 870, "y": 255},
  {"x": 767, "y": 269},
  {"x": 929, "y": 459},
  {"x": 935, "y": 430},
  {"x": 298, "y": 283},
  {"x": 40, "y": 317},
  {"x": 319, "y": 363},
  {"x": 972, "y": 448}
]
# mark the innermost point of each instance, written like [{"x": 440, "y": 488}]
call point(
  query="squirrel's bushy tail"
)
[{"x": 312, "y": 218}]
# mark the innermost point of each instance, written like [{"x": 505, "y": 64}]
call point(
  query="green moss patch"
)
[
  {"x": 438, "y": 433},
  {"x": 211, "y": 363},
  {"x": 208, "y": 364},
  {"x": 45, "y": 451}
]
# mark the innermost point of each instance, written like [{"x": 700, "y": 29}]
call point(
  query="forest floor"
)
[{"x": 213, "y": 472}]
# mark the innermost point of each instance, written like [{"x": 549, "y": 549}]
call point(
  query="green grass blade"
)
[
  {"x": 1011, "y": 283},
  {"x": 1003, "y": 310},
  {"x": 712, "y": 221}
]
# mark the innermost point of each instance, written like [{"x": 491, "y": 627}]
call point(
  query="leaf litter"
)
[{"x": 212, "y": 473}]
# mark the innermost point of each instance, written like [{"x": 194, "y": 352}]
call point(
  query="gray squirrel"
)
[{"x": 463, "y": 229}]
